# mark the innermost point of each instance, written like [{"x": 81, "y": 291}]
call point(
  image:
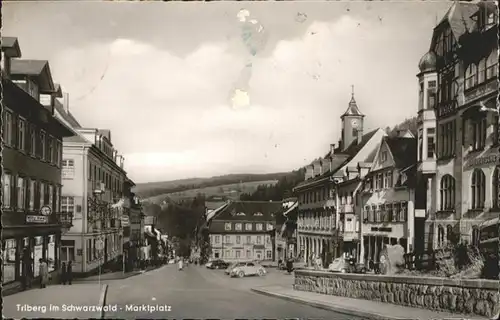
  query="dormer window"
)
[
  {"x": 240, "y": 214},
  {"x": 227, "y": 226},
  {"x": 46, "y": 100},
  {"x": 383, "y": 156},
  {"x": 258, "y": 214}
]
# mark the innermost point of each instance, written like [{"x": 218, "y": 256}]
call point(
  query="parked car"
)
[
  {"x": 339, "y": 265},
  {"x": 217, "y": 264},
  {"x": 232, "y": 266},
  {"x": 248, "y": 269}
]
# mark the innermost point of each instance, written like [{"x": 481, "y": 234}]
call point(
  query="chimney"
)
[
  {"x": 360, "y": 136},
  {"x": 332, "y": 149},
  {"x": 341, "y": 145},
  {"x": 66, "y": 101}
]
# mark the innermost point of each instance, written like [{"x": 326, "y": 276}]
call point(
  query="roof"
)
[
  {"x": 428, "y": 62},
  {"x": 10, "y": 45},
  {"x": 106, "y": 133},
  {"x": 249, "y": 211},
  {"x": 343, "y": 157},
  {"x": 403, "y": 150},
  {"x": 458, "y": 17},
  {"x": 34, "y": 68},
  {"x": 66, "y": 114},
  {"x": 352, "y": 109}
]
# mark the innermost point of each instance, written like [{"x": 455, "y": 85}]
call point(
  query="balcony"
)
[{"x": 65, "y": 219}]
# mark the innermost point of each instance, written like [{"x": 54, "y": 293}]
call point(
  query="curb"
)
[
  {"x": 102, "y": 299},
  {"x": 319, "y": 305}
]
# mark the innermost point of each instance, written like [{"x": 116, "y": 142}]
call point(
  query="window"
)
[
  {"x": 7, "y": 127},
  {"x": 403, "y": 214},
  {"x": 227, "y": 226},
  {"x": 21, "y": 193},
  {"x": 478, "y": 188},
  {"x": 37, "y": 254},
  {"x": 42, "y": 194},
  {"x": 481, "y": 71},
  {"x": 227, "y": 239},
  {"x": 259, "y": 239},
  {"x": 227, "y": 253},
  {"x": 383, "y": 156},
  {"x": 21, "y": 134},
  {"x": 496, "y": 187},
  {"x": 269, "y": 254},
  {"x": 32, "y": 190},
  {"x": 8, "y": 260},
  {"x": 7, "y": 184},
  {"x": 238, "y": 253},
  {"x": 217, "y": 239},
  {"x": 58, "y": 155},
  {"x": 248, "y": 226},
  {"x": 51, "y": 196},
  {"x": 492, "y": 65},
  {"x": 42, "y": 145},
  {"x": 238, "y": 226},
  {"x": 430, "y": 147},
  {"x": 420, "y": 144},
  {"x": 379, "y": 181},
  {"x": 50, "y": 149},
  {"x": 249, "y": 254},
  {"x": 447, "y": 139},
  {"x": 67, "y": 250},
  {"x": 68, "y": 204},
  {"x": 258, "y": 226},
  {"x": 478, "y": 133},
  {"x": 470, "y": 76},
  {"x": 447, "y": 193},
  {"x": 270, "y": 227},
  {"x": 249, "y": 240},
  {"x": 57, "y": 196},
  {"x": 421, "y": 96},
  {"x": 238, "y": 239},
  {"x": 268, "y": 239},
  {"x": 33, "y": 134},
  {"x": 440, "y": 236}
]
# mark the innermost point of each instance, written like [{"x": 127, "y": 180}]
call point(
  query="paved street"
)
[{"x": 198, "y": 292}]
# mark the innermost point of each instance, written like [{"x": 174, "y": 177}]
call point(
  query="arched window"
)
[
  {"x": 491, "y": 64},
  {"x": 495, "y": 183},
  {"x": 440, "y": 236},
  {"x": 470, "y": 76},
  {"x": 447, "y": 193},
  {"x": 481, "y": 71},
  {"x": 449, "y": 233},
  {"x": 478, "y": 189},
  {"x": 475, "y": 236}
]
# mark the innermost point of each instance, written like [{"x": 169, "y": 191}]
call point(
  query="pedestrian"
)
[
  {"x": 44, "y": 273},
  {"x": 64, "y": 273},
  {"x": 180, "y": 264},
  {"x": 27, "y": 269},
  {"x": 70, "y": 272}
]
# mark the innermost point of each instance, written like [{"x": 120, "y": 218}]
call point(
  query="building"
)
[
  {"x": 387, "y": 198},
  {"x": 240, "y": 230},
  {"x": 324, "y": 198},
  {"x": 463, "y": 60},
  {"x": 134, "y": 210},
  {"x": 32, "y": 219},
  {"x": 94, "y": 179},
  {"x": 285, "y": 237}
]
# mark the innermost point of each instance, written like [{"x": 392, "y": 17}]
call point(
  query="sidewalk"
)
[
  {"x": 114, "y": 275},
  {"x": 356, "y": 307},
  {"x": 45, "y": 302}
]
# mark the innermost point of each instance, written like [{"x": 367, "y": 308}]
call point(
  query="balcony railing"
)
[{"x": 65, "y": 219}]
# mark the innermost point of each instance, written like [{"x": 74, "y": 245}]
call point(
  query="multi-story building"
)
[
  {"x": 285, "y": 237},
  {"x": 32, "y": 222},
  {"x": 322, "y": 196},
  {"x": 94, "y": 180},
  {"x": 463, "y": 59},
  {"x": 240, "y": 230},
  {"x": 133, "y": 208},
  {"x": 387, "y": 198}
]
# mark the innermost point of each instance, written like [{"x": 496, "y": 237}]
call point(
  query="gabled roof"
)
[
  {"x": 10, "y": 45},
  {"x": 458, "y": 17},
  {"x": 66, "y": 114},
  {"x": 38, "y": 69},
  {"x": 250, "y": 210},
  {"x": 403, "y": 150}
]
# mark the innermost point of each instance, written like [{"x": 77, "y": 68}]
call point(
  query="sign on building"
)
[{"x": 37, "y": 219}]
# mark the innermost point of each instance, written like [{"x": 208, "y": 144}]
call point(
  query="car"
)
[
  {"x": 339, "y": 265},
  {"x": 217, "y": 264},
  {"x": 248, "y": 269},
  {"x": 232, "y": 266}
]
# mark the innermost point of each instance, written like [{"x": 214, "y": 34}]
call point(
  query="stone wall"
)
[{"x": 475, "y": 297}]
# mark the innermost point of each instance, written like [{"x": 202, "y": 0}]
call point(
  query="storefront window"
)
[
  {"x": 67, "y": 250},
  {"x": 38, "y": 254},
  {"x": 51, "y": 252},
  {"x": 9, "y": 260}
]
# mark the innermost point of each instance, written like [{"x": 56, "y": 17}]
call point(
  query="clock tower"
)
[{"x": 352, "y": 124}]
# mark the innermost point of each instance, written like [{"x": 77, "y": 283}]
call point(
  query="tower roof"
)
[
  {"x": 428, "y": 62},
  {"x": 352, "y": 109}
]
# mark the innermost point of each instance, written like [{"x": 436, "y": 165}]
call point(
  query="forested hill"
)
[
  {"x": 279, "y": 191},
  {"x": 151, "y": 189}
]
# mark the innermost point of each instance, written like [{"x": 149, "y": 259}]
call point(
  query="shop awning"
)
[{"x": 488, "y": 223}]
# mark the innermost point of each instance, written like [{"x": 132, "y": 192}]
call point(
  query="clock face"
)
[{"x": 354, "y": 123}]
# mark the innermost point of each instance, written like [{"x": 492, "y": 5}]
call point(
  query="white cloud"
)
[{"x": 171, "y": 116}]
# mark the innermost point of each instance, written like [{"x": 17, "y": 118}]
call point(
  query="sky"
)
[{"x": 205, "y": 89}]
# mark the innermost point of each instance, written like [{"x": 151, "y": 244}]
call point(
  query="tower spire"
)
[{"x": 352, "y": 91}]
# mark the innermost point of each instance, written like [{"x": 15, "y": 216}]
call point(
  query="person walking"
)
[
  {"x": 70, "y": 272},
  {"x": 181, "y": 264},
  {"x": 64, "y": 273},
  {"x": 27, "y": 269},
  {"x": 44, "y": 273}
]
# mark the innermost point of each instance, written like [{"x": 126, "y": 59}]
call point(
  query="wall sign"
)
[
  {"x": 382, "y": 229},
  {"x": 37, "y": 219},
  {"x": 481, "y": 91},
  {"x": 492, "y": 159}
]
